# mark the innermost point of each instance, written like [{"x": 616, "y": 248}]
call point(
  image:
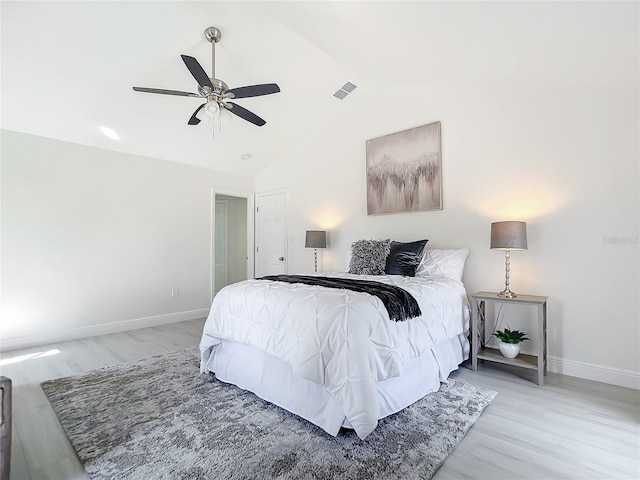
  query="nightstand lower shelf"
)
[{"x": 522, "y": 360}]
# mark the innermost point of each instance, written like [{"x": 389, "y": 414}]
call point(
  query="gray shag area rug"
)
[{"x": 159, "y": 418}]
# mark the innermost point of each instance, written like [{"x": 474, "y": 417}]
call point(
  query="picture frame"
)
[{"x": 404, "y": 171}]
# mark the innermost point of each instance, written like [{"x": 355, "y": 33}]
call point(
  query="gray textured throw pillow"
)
[{"x": 369, "y": 257}]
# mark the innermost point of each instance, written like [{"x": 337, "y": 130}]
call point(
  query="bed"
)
[{"x": 334, "y": 356}]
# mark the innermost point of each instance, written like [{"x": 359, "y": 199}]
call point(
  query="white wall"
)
[
  {"x": 94, "y": 241},
  {"x": 563, "y": 159}
]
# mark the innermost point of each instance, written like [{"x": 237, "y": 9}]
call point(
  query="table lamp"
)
[
  {"x": 508, "y": 236},
  {"x": 316, "y": 239}
]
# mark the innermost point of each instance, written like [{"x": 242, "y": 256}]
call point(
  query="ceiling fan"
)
[{"x": 215, "y": 91}]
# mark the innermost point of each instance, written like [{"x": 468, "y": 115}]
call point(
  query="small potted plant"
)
[{"x": 510, "y": 341}]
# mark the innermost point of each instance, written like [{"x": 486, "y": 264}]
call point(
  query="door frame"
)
[{"x": 250, "y": 233}]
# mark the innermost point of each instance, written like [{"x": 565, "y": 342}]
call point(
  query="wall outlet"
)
[{"x": 175, "y": 292}]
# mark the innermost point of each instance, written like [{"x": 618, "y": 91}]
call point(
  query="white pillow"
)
[{"x": 443, "y": 263}]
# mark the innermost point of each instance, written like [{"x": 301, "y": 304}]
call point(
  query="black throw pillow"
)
[{"x": 404, "y": 258}]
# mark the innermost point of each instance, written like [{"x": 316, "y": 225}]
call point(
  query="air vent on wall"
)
[{"x": 345, "y": 90}]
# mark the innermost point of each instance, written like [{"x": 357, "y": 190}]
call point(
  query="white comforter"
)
[{"x": 341, "y": 339}]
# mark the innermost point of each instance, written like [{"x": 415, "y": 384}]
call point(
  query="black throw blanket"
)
[{"x": 399, "y": 303}]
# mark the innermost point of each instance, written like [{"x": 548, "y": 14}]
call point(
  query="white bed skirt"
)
[{"x": 272, "y": 379}]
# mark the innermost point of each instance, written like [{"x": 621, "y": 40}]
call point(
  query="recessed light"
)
[{"x": 110, "y": 132}]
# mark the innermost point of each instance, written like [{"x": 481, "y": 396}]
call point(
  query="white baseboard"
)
[
  {"x": 598, "y": 373},
  {"x": 95, "y": 330}
]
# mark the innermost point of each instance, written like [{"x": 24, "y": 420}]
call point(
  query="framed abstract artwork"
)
[{"x": 404, "y": 171}]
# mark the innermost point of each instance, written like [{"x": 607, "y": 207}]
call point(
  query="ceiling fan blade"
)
[
  {"x": 254, "y": 90},
  {"x": 245, "y": 114},
  {"x": 165, "y": 92},
  {"x": 195, "y": 120},
  {"x": 197, "y": 71}
]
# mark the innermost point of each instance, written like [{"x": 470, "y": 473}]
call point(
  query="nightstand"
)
[{"x": 479, "y": 351}]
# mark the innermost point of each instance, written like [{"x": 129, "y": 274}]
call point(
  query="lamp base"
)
[{"x": 507, "y": 294}]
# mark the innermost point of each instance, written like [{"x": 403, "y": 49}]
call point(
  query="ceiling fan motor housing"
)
[{"x": 219, "y": 87}]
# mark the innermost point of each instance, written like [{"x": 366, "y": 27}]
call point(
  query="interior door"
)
[
  {"x": 271, "y": 233},
  {"x": 238, "y": 241},
  {"x": 221, "y": 245}
]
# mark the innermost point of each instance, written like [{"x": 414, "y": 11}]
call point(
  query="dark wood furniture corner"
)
[{"x": 5, "y": 428}]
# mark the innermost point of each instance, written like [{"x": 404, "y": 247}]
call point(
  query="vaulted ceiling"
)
[{"x": 68, "y": 67}]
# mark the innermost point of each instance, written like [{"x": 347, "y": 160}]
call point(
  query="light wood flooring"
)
[{"x": 568, "y": 429}]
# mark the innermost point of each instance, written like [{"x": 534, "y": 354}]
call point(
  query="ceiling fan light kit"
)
[
  {"x": 216, "y": 92},
  {"x": 212, "y": 108}
]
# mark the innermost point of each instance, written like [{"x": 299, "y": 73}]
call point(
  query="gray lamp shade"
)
[
  {"x": 316, "y": 239},
  {"x": 509, "y": 235}
]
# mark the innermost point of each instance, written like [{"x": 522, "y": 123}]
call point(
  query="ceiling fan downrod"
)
[{"x": 213, "y": 35}]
